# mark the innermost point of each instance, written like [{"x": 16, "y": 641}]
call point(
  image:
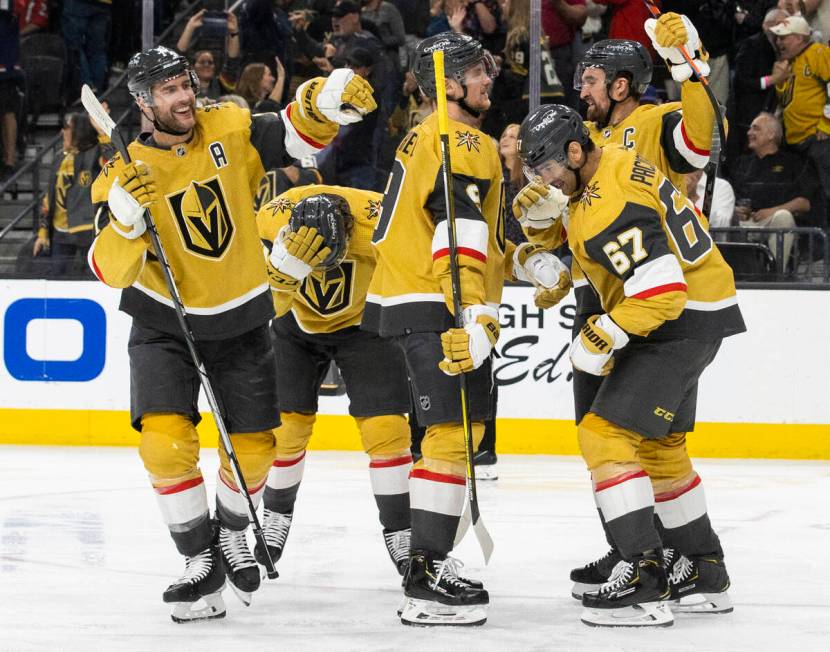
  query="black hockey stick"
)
[
  {"x": 99, "y": 115},
  {"x": 483, "y": 536},
  {"x": 715, "y": 153}
]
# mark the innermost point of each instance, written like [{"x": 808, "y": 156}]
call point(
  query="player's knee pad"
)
[
  {"x": 294, "y": 433},
  {"x": 607, "y": 449},
  {"x": 443, "y": 447},
  {"x": 384, "y": 436},
  {"x": 667, "y": 462},
  {"x": 255, "y": 452},
  {"x": 169, "y": 447}
]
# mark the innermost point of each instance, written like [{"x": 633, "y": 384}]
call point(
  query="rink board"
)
[{"x": 65, "y": 376}]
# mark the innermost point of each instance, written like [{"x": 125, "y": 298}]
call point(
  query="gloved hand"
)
[
  {"x": 133, "y": 190},
  {"x": 667, "y": 34},
  {"x": 294, "y": 255},
  {"x": 534, "y": 264},
  {"x": 467, "y": 348},
  {"x": 538, "y": 206},
  {"x": 592, "y": 349},
  {"x": 345, "y": 97}
]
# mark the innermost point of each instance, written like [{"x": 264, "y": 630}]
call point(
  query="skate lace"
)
[
  {"x": 235, "y": 548},
  {"x": 620, "y": 576},
  {"x": 196, "y": 568},
  {"x": 398, "y": 544},
  {"x": 275, "y": 527},
  {"x": 597, "y": 562},
  {"x": 682, "y": 570},
  {"x": 448, "y": 570}
]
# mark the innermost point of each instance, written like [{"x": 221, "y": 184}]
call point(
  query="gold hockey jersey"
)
[
  {"x": 333, "y": 299},
  {"x": 411, "y": 289},
  {"x": 205, "y": 220},
  {"x": 805, "y": 94},
  {"x": 648, "y": 254}
]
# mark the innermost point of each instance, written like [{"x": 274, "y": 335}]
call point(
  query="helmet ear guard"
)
[{"x": 330, "y": 215}]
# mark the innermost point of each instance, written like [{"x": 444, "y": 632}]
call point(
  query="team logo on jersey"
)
[
  {"x": 204, "y": 220},
  {"x": 180, "y": 151},
  {"x": 373, "y": 209},
  {"x": 85, "y": 178},
  {"x": 330, "y": 291},
  {"x": 281, "y": 204},
  {"x": 468, "y": 140},
  {"x": 590, "y": 193},
  {"x": 267, "y": 189},
  {"x": 111, "y": 164}
]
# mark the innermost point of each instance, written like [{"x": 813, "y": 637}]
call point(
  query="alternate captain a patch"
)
[{"x": 202, "y": 215}]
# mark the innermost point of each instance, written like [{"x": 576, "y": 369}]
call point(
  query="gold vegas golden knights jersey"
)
[
  {"x": 411, "y": 288},
  {"x": 205, "y": 220},
  {"x": 648, "y": 253},
  {"x": 330, "y": 300},
  {"x": 804, "y": 95}
]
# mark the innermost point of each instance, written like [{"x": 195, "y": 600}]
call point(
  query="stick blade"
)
[
  {"x": 96, "y": 111},
  {"x": 484, "y": 539}
]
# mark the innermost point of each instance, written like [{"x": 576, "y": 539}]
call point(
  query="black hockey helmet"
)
[
  {"x": 153, "y": 66},
  {"x": 331, "y": 216},
  {"x": 460, "y": 53},
  {"x": 618, "y": 57},
  {"x": 546, "y": 133}
]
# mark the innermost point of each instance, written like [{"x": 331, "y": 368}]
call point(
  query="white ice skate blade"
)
[
  {"x": 427, "y": 613},
  {"x": 487, "y": 472},
  {"x": 702, "y": 603},
  {"x": 647, "y": 614},
  {"x": 244, "y": 597},
  {"x": 579, "y": 588},
  {"x": 207, "y": 607}
]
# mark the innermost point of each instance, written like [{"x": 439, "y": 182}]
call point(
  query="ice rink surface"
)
[{"x": 84, "y": 558}]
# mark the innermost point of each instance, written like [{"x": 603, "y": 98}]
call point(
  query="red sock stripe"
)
[
  {"x": 660, "y": 289},
  {"x": 395, "y": 461},
  {"x": 305, "y": 138},
  {"x": 182, "y": 486},
  {"x": 423, "y": 474},
  {"x": 612, "y": 482},
  {"x": 689, "y": 143},
  {"x": 676, "y": 493},
  {"x": 251, "y": 490},
  {"x": 462, "y": 251},
  {"x": 96, "y": 269},
  {"x": 283, "y": 463}
]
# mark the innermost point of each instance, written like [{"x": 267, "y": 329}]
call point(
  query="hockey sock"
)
[
  {"x": 437, "y": 500},
  {"x": 184, "y": 509},
  {"x": 231, "y": 506},
  {"x": 390, "y": 484},
  {"x": 627, "y": 505},
  {"x": 283, "y": 483},
  {"x": 682, "y": 514}
]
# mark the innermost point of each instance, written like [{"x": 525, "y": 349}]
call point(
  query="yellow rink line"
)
[{"x": 335, "y": 432}]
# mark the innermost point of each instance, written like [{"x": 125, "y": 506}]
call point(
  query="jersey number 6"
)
[{"x": 690, "y": 238}]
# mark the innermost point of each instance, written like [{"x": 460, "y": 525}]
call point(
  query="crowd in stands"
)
[{"x": 769, "y": 60}]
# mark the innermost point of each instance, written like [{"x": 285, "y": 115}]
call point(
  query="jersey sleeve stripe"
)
[
  {"x": 297, "y": 144},
  {"x": 653, "y": 276},
  {"x": 684, "y": 146},
  {"x": 92, "y": 264},
  {"x": 462, "y": 251},
  {"x": 689, "y": 143},
  {"x": 471, "y": 239}
]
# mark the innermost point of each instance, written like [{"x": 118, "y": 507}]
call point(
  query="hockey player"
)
[
  {"x": 668, "y": 300},
  {"x": 410, "y": 299},
  {"x": 676, "y": 137},
  {"x": 320, "y": 263},
  {"x": 197, "y": 171}
]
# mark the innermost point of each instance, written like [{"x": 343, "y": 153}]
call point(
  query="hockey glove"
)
[
  {"x": 295, "y": 254},
  {"x": 667, "y": 34},
  {"x": 592, "y": 349},
  {"x": 538, "y": 206},
  {"x": 345, "y": 97},
  {"x": 133, "y": 190},
  {"x": 467, "y": 348}
]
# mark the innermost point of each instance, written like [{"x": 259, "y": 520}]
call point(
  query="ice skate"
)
[
  {"x": 633, "y": 596},
  {"x": 197, "y": 594},
  {"x": 698, "y": 585},
  {"x": 239, "y": 564},
  {"x": 397, "y": 544},
  {"x": 593, "y": 575},
  {"x": 485, "y": 466},
  {"x": 275, "y": 527},
  {"x": 436, "y": 596}
]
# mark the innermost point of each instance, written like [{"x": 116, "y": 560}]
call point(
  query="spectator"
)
[
  {"x": 260, "y": 89},
  {"x": 778, "y": 184},
  {"x": 723, "y": 198},
  {"x": 627, "y": 20},
  {"x": 211, "y": 85},
  {"x": 266, "y": 35},
  {"x": 476, "y": 18},
  {"x": 817, "y": 13},
  {"x": 390, "y": 26},
  {"x": 753, "y": 90},
  {"x": 415, "y": 14},
  {"x": 560, "y": 21},
  {"x": 801, "y": 76},
  {"x": 513, "y": 179},
  {"x": 33, "y": 15},
  {"x": 68, "y": 214},
  {"x": 236, "y": 99},
  {"x": 11, "y": 81},
  {"x": 86, "y": 32}
]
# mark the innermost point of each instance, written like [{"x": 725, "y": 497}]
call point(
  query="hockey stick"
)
[
  {"x": 103, "y": 120},
  {"x": 483, "y": 536},
  {"x": 715, "y": 155}
]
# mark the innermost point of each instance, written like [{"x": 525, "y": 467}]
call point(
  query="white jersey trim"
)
[
  {"x": 712, "y": 306},
  {"x": 212, "y": 310},
  {"x": 699, "y": 161},
  {"x": 663, "y": 270}
]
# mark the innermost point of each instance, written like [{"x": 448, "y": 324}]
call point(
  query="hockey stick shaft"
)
[
  {"x": 102, "y": 118},
  {"x": 484, "y": 539},
  {"x": 712, "y": 167}
]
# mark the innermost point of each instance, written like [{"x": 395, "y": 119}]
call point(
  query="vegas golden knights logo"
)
[
  {"x": 203, "y": 218},
  {"x": 267, "y": 189},
  {"x": 331, "y": 291}
]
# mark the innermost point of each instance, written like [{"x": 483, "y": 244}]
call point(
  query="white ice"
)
[{"x": 84, "y": 558}]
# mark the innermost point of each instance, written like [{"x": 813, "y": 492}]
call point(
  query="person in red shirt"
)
[
  {"x": 627, "y": 19},
  {"x": 560, "y": 21},
  {"x": 33, "y": 15}
]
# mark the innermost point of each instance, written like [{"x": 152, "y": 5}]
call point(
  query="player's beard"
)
[
  {"x": 595, "y": 113},
  {"x": 173, "y": 123}
]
